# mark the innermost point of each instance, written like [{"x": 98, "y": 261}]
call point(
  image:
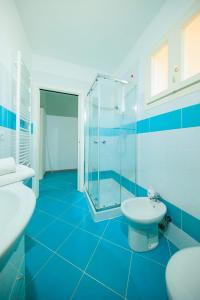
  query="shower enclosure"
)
[{"x": 110, "y": 142}]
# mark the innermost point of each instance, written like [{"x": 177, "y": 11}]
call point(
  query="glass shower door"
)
[
  {"x": 110, "y": 100},
  {"x": 93, "y": 143},
  {"x": 128, "y": 144},
  {"x": 110, "y": 143}
]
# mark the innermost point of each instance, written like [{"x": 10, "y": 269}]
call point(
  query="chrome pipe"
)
[{"x": 103, "y": 76}]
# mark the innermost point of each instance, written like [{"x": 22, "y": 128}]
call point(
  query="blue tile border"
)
[
  {"x": 181, "y": 118},
  {"x": 176, "y": 119},
  {"x": 167, "y": 121},
  {"x": 185, "y": 117},
  {"x": 8, "y": 120},
  {"x": 191, "y": 116},
  {"x": 115, "y": 131},
  {"x": 143, "y": 126}
]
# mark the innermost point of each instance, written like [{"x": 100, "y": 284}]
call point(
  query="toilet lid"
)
[{"x": 183, "y": 275}]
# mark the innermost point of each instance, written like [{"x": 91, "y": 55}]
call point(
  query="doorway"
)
[{"x": 58, "y": 150}]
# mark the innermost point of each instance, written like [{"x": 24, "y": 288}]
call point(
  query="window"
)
[
  {"x": 191, "y": 47},
  {"x": 159, "y": 70},
  {"x": 173, "y": 69}
]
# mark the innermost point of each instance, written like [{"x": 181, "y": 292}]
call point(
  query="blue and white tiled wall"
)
[
  {"x": 168, "y": 159},
  {"x": 168, "y": 147},
  {"x": 7, "y": 132}
]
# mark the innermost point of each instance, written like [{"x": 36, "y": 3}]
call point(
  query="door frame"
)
[{"x": 36, "y": 133}]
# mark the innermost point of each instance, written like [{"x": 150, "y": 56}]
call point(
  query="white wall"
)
[
  {"x": 167, "y": 160},
  {"x": 61, "y": 143},
  {"x": 12, "y": 39}
]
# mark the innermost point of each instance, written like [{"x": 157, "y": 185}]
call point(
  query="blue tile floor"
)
[{"x": 69, "y": 256}]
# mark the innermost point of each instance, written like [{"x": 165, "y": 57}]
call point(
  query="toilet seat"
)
[{"x": 183, "y": 275}]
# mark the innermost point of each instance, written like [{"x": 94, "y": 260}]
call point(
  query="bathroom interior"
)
[{"x": 99, "y": 150}]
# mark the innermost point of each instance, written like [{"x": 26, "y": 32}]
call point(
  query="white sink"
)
[
  {"x": 17, "y": 203},
  {"x": 183, "y": 275}
]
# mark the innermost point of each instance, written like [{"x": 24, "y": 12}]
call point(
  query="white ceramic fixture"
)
[
  {"x": 183, "y": 275},
  {"x": 17, "y": 203},
  {"x": 143, "y": 215}
]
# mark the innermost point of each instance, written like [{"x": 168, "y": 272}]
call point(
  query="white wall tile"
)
[{"x": 169, "y": 162}]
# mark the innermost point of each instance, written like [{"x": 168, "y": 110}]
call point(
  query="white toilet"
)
[
  {"x": 183, "y": 275},
  {"x": 143, "y": 215}
]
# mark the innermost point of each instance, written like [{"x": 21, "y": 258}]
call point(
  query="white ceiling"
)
[{"x": 92, "y": 33}]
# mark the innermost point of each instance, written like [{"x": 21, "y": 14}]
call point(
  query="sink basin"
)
[
  {"x": 143, "y": 210},
  {"x": 17, "y": 203},
  {"x": 182, "y": 275}
]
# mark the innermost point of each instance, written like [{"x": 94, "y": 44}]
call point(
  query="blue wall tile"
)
[
  {"x": 1, "y": 115},
  {"x": 181, "y": 118},
  {"x": 174, "y": 212},
  {"x": 126, "y": 183},
  {"x": 11, "y": 120},
  {"x": 24, "y": 124},
  {"x": 8, "y": 120},
  {"x": 142, "y": 126},
  {"x": 191, "y": 116},
  {"x": 140, "y": 191},
  {"x": 167, "y": 121},
  {"x": 116, "y": 176},
  {"x": 129, "y": 126}
]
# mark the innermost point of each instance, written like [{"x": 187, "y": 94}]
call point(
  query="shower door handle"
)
[
  {"x": 95, "y": 142},
  {"x": 103, "y": 142}
]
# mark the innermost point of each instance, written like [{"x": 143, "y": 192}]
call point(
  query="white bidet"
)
[{"x": 143, "y": 215}]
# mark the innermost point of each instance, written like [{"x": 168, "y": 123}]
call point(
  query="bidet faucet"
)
[{"x": 153, "y": 196}]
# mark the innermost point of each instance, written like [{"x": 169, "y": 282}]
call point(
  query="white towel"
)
[
  {"x": 7, "y": 166},
  {"x": 22, "y": 173}
]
